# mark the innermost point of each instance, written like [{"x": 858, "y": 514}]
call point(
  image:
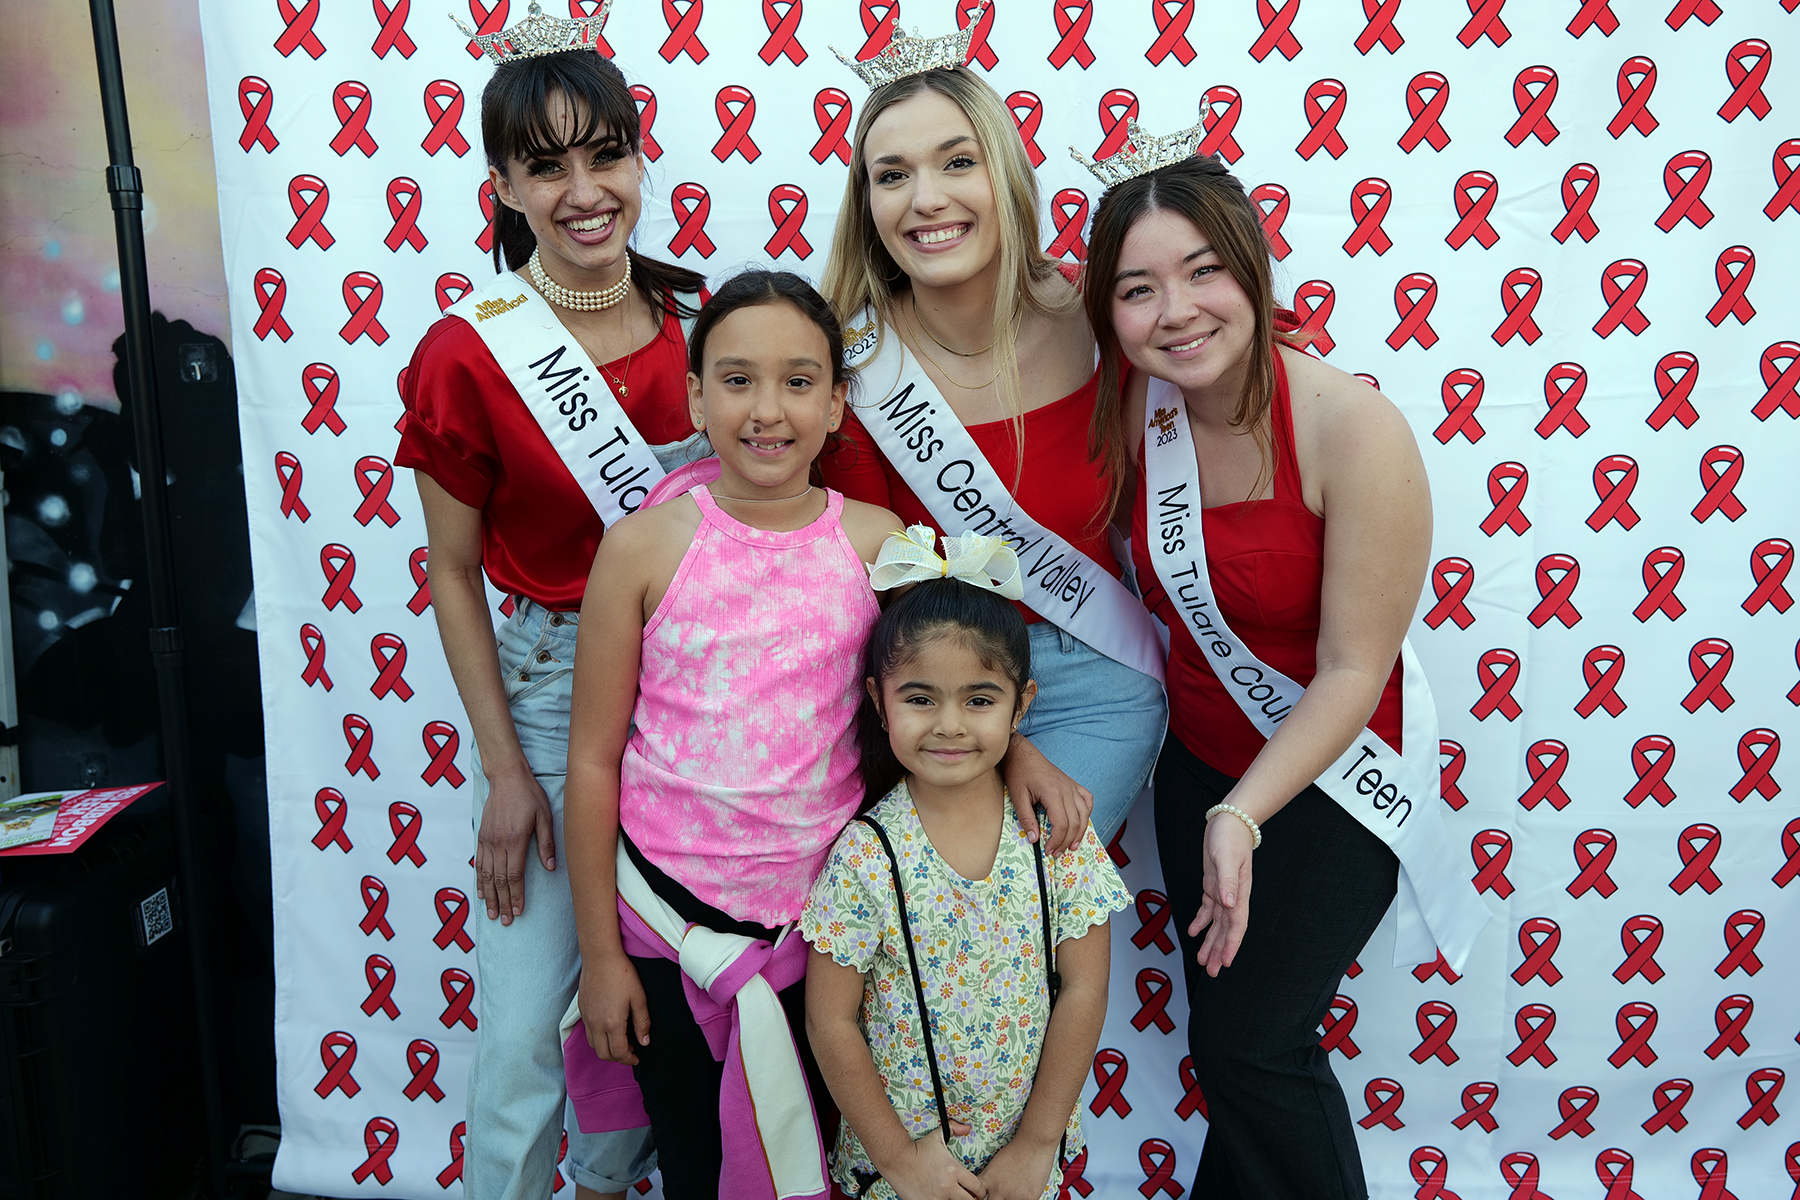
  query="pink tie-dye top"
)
[{"x": 741, "y": 770}]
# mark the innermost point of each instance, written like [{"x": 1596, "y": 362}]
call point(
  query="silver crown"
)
[
  {"x": 915, "y": 55},
  {"x": 537, "y": 34},
  {"x": 1143, "y": 153}
]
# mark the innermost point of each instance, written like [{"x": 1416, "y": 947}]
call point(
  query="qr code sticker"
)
[{"x": 157, "y": 917}]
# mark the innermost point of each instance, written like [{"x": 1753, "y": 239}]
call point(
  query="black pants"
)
[
  {"x": 1280, "y": 1129},
  {"x": 676, "y": 1071}
]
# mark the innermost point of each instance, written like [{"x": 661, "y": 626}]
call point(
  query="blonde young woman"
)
[{"x": 978, "y": 384}]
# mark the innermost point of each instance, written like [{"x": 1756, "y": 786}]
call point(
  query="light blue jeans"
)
[
  {"x": 527, "y": 971},
  {"x": 1097, "y": 719}
]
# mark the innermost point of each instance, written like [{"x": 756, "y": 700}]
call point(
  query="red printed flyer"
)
[{"x": 79, "y": 816}]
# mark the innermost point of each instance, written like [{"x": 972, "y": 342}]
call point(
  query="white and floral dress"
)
[{"x": 980, "y": 949}]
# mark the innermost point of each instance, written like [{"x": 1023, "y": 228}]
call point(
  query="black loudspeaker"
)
[{"x": 100, "y": 1082}]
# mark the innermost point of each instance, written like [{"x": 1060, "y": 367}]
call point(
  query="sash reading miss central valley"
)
[
  {"x": 928, "y": 446},
  {"x": 1394, "y": 797}
]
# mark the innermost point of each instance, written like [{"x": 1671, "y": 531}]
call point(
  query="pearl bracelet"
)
[{"x": 1240, "y": 814}]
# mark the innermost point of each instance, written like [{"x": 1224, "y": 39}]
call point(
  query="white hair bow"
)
[{"x": 987, "y": 562}]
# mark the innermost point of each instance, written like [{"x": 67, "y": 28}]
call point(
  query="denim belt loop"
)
[{"x": 1067, "y": 639}]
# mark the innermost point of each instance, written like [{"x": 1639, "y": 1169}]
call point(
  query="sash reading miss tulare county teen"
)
[
  {"x": 919, "y": 434},
  {"x": 1394, "y": 797}
]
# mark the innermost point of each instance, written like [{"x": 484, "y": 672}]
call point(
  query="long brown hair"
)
[{"x": 1204, "y": 192}]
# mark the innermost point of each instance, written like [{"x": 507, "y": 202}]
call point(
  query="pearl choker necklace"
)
[{"x": 559, "y": 295}]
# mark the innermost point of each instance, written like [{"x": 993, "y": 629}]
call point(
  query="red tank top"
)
[{"x": 1267, "y": 562}]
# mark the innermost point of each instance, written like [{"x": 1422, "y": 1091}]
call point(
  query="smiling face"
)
[
  {"x": 1179, "y": 314},
  {"x": 930, "y": 196},
  {"x": 949, "y": 716}
]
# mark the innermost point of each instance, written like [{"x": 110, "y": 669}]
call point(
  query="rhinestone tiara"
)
[
  {"x": 538, "y": 35},
  {"x": 1143, "y": 153},
  {"x": 904, "y": 56}
]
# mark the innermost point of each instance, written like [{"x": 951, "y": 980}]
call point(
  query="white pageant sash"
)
[
  {"x": 553, "y": 375},
  {"x": 928, "y": 446},
  {"x": 1393, "y": 796}
]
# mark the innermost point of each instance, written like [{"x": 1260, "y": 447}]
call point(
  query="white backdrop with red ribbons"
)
[{"x": 1560, "y": 235}]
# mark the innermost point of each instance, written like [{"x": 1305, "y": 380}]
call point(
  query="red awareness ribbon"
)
[
  {"x": 422, "y": 1060},
  {"x": 320, "y": 383},
  {"x": 1414, "y": 312},
  {"x": 1783, "y": 385},
  {"x": 1534, "y": 108},
  {"x": 1497, "y": 670},
  {"x": 1380, "y": 27},
  {"x": 1073, "y": 1171},
  {"x": 1427, "y": 111},
  {"x": 684, "y": 30},
  {"x": 1556, "y": 590},
  {"x": 1027, "y": 110},
  {"x": 1110, "y": 1069},
  {"x": 1640, "y": 936},
  {"x": 1770, "y": 576},
  {"x": 1322, "y": 121},
  {"x": 1576, "y": 1106},
  {"x": 1069, "y": 213},
  {"x": 1578, "y": 202},
  {"x": 1153, "y": 914},
  {"x": 441, "y": 742},
  {"x": 488, "y": 19},
  {"x": 451, "y": 287},
  {"x": 1602, "y": 668},
  {"x": 1117, "y": 109},
  {"x": 362, "y": 296},
  {"x": 691, "y": 204},
  {"x": 1634, "y": 1023},
  {"x": 1115, "y": 849},
  {"x": 1449, "y": 771},
  {"x": 1534, "y": 1024},
  {"x": 1730, "y": 1018},
  {"x": 1484, "y": 22},
  {"x": 1153, "y": 992},
  {"x": 1669, "y": 1097},
  {"x": 339, "y": 566},
  {"x": 1746, "y": 81},
  {"x": 1636, "y": 82},
  {"x": 490, "y": 207},
  {"x": 389, "y": 653},
  {"x": 1706, "y": 10},
  {"x": 1793, "y": 695},
  {"x": 332, "y": 810},
  {"x": 1734, "y": 285},
  {"x": 287, "y": 470},
  {"x": 375, "y": 904},
  {"x": 1709, "y": 677},
  {"x": 1369, "y": 202},
  {"x": 645, "y": 99},
  {"x": 1685, "y": 203},
  {"x": 1743, "y": 930},
  {"x": 1492, "y": 850},
  {"x": 1757, "y": 751},
  {"x": 1277, "y": 31},
  {"x": 1520, "y": 1171},
  {"x": 256, "y": 100},
  {"x": 1474, "y": 210},
  {"x": 1172, "y": 27},
  {"x": 1675, "y": 390},
  {"x": 1156, "y": 1158},
  {"x": 309, "y": 215},
  {"x": 1461, "y": 393},
  {"x": 1595, "y": 14},
  {"x": 1762, "y": 1086},
  {"x": 360, "y": 737},
  {"x": 337, "y": 1050},
  {"x": 1430, "y": 1168},
  {"x": 784, "y": 32},
  {"x": 880, "y": 29},
  {"x": 1436, "y": 1021},
  {"x": 375, "y": 479},
  {"x": 832, "y": 111},
  {"x": 1506, "y": 485},
  {"x": 787, "y": 209},
  {"x": 453, "y": 914},
  {"x": 979, "y": 50},
  {"x": 1594, "y": 851},
  {"x": 1220, "y": 107},
  {"x": 1538, "y": 939},
  {"x": 393, "y": 35},
  {"x": 381, "y": 1137},
  {"x": 1313, "y": 302},
  {"x": 1384, "y": 1097},
  {"x": 1519, "y": 306},
  {"x": 593, "y": 39},
  {"x": 1273, "y": 217},
  {"x": 1709, "y": 1166},
  {"x": 1614, "y": 494},
  {"x": 1072, "y": 23},
  {"x": 1564, "y": 386},
  {"x": 378, "y": 972},
  {"x": 1622, "y": 301},
  {"x": 444, "y": 107},
  {"x": 353, "y": 119},
  {"x": 1720, "y": 469},
  {"x": 405, "y": 201},
  {"x": 1452, "y": 579},
  {"x": 1193, "y": 1100},
  {"x": 1340, "y": 1019},
  {"x": 1787, "y": 180},
  {"x": 299, "y": 35},
  {"x": 1792, "y": 1158},
  {"x": 735, "y": 122},
  {"x": 1439, "y": 966},
  {"x": 1478, "y": 1106},
  {"x": 1698, "y": 846},
  {"x": 417, "y": 564},
  {"x": 271, "y": 296},
  {"x": 459, "y": 991}
]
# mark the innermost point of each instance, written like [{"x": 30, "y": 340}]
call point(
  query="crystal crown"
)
[
  {"x": 1143, "y": 153},
  {"x": 538, "y": 34},
  {"x": 915, "y": 55}
]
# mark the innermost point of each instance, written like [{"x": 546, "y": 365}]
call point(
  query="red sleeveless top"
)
[{"x": 1267, "y": 562}]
